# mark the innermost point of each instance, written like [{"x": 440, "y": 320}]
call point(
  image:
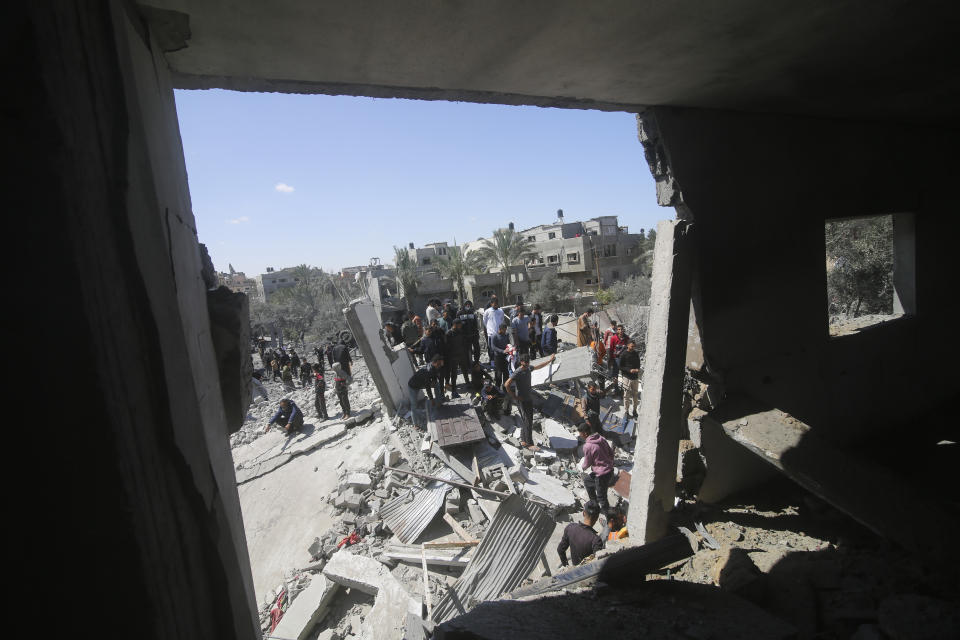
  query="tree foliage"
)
[
  {"x": 860, "y": 265},
  {"x": 314, "y": 305},
  {"x": 505, "y": 249},
  {"x": 634, "y": 290},
  {"x": 554, "y": 293},
  {"x": 407, "y": 279},
  {"x": 457, "y": 266}
]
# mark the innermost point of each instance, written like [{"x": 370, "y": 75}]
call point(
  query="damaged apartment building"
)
[
  {"x": 761, "y": 122},
  {"x": 591, "y": 254}
]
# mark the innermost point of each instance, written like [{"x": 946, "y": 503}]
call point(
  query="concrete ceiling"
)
[{"x": 894, "y": 59}]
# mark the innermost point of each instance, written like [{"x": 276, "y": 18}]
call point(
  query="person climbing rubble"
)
[
  {"x": 319, "y": 391},
  {"x": 499, "y": 342},
  {"x": 491, "y": 399},
  {"x": 426, "y": 378},
  {"x": 288, "y": 415},
  {"x": 457, "y": 356},
  {"x": 519, "y": 390},
  {"x": 597, "y": 462},
  {"x": 341, "y": 382},
  {"x": 287, "y": 376},
  {"x": 580, "y": 537}
]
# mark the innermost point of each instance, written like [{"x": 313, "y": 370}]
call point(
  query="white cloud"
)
[
  {"x": 283, "y": 187},
  {"x": 240, "y": 220}
]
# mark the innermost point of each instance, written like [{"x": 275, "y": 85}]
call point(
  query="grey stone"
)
[
  {"x": 359, "y": 481},
  {"x": 476, "y": 514},
  {"x": 550, "y": 490},
  {"x": 308, "y": 609},
  {"x": 559, "y": 436}
]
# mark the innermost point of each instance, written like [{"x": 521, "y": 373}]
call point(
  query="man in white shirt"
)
[
  {"x": 433, "y": 311},
  {"x": 492, "y": 319}
]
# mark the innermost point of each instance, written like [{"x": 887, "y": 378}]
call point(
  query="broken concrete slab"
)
[
  {"x": 359, "y": 418},
  {"x": 440, "y": 557},
  {"x": 560, "y": 438},
  {"x": 379, "y": 456},
  {"x": 307, "y": 610},
  {"x": 476, "y": 513},
  {"x": 549, "y": 489},
  {"x": 262, "y": 468},
  {"x": 305, "y": 444},
  {"x": 568, "y": 365},
  {"x": 359, "y": 481},
  {"x": 356, "y": 572}
]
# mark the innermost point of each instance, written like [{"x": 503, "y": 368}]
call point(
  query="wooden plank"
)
[
  {"x": 459, "y": 530},
  {"x": 450, "y": 545},
  {"x": 426, "y": 583}
]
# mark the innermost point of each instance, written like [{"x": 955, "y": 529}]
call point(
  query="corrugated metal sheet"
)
[
  {"x": 408, "y": 518},
  {"x": 503, "y": 559}
]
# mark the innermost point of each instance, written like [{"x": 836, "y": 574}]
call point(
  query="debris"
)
[
  {"x": 476, "y": 514},
  {"x": 459, "y": 530},
  {"x": 548, "y": 489},
  {"x": 455, "y": 484},
  {"x": 359, "y": 481},
  {"x": 308, "y": 610},
  {"x": 622, "y": 485},
  {"x": 560, "y": 439},
  {"x": 408, "y": 514},
  {"x": 568, "y": 365},
  {"x": 456, "y": 423},
  {"x": 379, "y": 456},
  {"x": 507, "y": 554},
  {"x": 453, "y": 557}
]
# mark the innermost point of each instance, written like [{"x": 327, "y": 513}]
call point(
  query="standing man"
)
[
  {"x": 630, "y": 378},
  {"x": 457, "y": 356},
  {"x": 426, "y": 378},
  {"x": 581, "y": 538},
  {"x": 340, "y": 383},
  {"x": 471, "y": 329},
  {"x": 341, "y": 354},
  {"x": 258, "y": 389},
  {"x": 548, "y": 341},
  {"x": 597, "y": 463},
  {"x": 520, "y": 332},
  {"x": 519, "y": 390},
  {"x": 585, "y": 328},
  {"x": 535, "y": 336},
  {"x": 492, "y": 319},
  {"x": 498, "y": 350},
  {"x": 615, "y": 346},
  {"x": 319, "y": 389},
  {"x": 433, "y": 311}
]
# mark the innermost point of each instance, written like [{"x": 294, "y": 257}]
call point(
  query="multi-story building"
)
[
  {"x": 272, "y": 281},
  {"x": 238, "y": 282}
]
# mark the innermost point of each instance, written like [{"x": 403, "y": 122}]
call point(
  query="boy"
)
[{"x": 597, "y": 464}]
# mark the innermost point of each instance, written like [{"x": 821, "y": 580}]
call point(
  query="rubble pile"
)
[{"x": 420, "y": 510}]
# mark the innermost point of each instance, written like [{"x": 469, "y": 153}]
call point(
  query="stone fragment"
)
[
  {"x": 518, "y": 474},
  {"x": 550, "y": 490},
  {"x": 559, "y": 437},
  {"x": 476, "y": 514},
  {"x": 308, "y": 609},
  {"x": 359, "y": 481},
  {"x": 379, "y": 456},
  {"x": 392, "y": 457},
  {"x": 351, "y": 499},
  {"x": 452, "y": 506}
]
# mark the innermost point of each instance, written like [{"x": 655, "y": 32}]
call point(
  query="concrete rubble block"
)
[
  {"x": 350, "y": 499},
  {"x": 308, "y": 609},
  {"x": 476, "y": 513},
  {"x": 560, "y": 438},
  {"x": 359, "y": 481},
  {"x": 518, "y": 473},
  {"x": 359, "y": 418},
  {"x": 548, "y": 489},
  {"x": 392, "y": 457},
  {"x": 379, "y": 456},
  {"x": 387, "y": 618},
  {"x": 262, "y": 468},
  {"x": 546, "y": 455},
  {"x": 451, "y": 506}
]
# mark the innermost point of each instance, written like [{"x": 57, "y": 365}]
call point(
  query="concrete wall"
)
[
  {"x": 390, "y": 368},
  {"x": 759, "y": 189},
  {"x": 136, "y": 467}
]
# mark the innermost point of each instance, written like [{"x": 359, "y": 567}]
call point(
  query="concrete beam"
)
[
  {"x": 390, "y": 368},
  {"x": 308, "y": 610},
  {"x": 652, "y": 487}
]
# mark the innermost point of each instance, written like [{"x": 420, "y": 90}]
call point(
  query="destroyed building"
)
[{"x": 760, "y": 122}]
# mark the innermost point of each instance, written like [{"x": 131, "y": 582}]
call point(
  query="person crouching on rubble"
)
[
  {"x": 426, "y": 378},
  {"x": 288, "y": 416},
  {"x": 491, "y": 399},
  {"x": 597, "y": 463},
  {"x": 580, "y": 537},
  {"x": 616, "y": 527}
]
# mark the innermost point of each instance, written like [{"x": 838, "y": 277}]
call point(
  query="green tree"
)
[
  {"x": 507, "y": 248},
  {"x": 407, "y": 279},
  {"x": 552, "y": 292},
  {"x": 634, "y": 290},
  {"x": 860, "y": 265},
  {"x": 457, "y": 266}
]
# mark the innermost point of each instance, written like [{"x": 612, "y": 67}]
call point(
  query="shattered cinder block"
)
[
  {"x": 476, "y": 514},
  {"x": 392, "y": 457},
  {"x": 378, "y": 456},
  {"x": 350, "y": 499},
  {"x": 359, "y": 481}
]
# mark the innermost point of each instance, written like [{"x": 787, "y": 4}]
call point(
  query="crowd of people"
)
[{"x": 289, "y": 367}]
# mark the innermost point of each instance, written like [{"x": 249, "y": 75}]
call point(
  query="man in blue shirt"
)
[
  {"x": 288, "y": 416},
  {"x": 520, "y": 332}
]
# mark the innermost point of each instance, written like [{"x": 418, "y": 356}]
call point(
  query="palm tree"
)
[
  {"x": 505, "y": 249},
  {"x": 407, "y": 277},
  {"x": 456, "y": 266}
]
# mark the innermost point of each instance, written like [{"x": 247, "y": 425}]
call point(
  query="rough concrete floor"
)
[{"x": 284, "y": 510}]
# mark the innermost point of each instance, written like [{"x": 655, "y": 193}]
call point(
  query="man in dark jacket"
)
[
  {"x": 426, "y": 378},
  {"x": 319, "y": 389},
  {"x": 498, "y": 346},
  {"x": 581, "y": 538},
  {"x": 548, "y": 339},
  {"x": 306, "y": 374},
  {"x": 519, "y": 390},
  {"x": 341, "y": 354},
  {"x": 471, "y": 329},
  {"x": 288, "y": 415},
  {"x": 590, "y": 402},
  {"x": 457, "y": 356},
  {"x": 491, "y": 399},
  {"x": 630, "y": 378},
  {"x": 392, "y": 333}
]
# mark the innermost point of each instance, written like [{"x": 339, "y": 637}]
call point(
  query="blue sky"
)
[{"x": 331, "y": 181}]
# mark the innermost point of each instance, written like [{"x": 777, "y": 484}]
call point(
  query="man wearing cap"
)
[{"x": 580, "y": 537}]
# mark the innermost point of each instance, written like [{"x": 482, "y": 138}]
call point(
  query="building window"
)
[
  {"x": 573, "y": 257},
  {"x": 283, "y": 279},
  {"x": 520, "y": 277},
  {"x": 273, "y": 282},
  {"x": 610, "y": 251},
  {"x": 588, "y": 281},
  {"x": 487, "y": 293},
  {"x": 532, "y": 238},
  {"x": 441, "y": 251},
  {"x": 426, "y": 261},
  {"x": 551, "y": 236},
  {"x": 553, "y": 259},
  {"x": 870, "y": 263},
  {"x": 614, "y": 275}
]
